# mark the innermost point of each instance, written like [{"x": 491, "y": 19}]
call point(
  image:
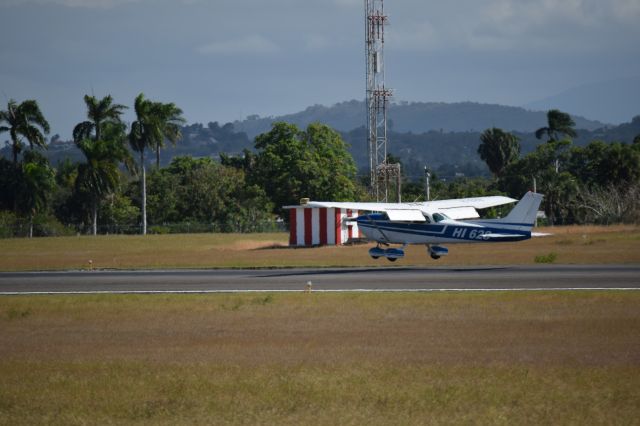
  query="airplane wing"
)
[
  {"x": 405, "y": 215},
  {"x": 475, "y": 202},
  {"x": 461, "y": 208},
  {"x": 369, "y": 207},
  {"x": 395, "y": 211},
  {"x": 458, "y": 213},
  {"x": 465, "y": 208}
]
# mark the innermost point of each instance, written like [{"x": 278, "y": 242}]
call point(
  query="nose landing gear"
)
[{"x": 436, "y": 252}]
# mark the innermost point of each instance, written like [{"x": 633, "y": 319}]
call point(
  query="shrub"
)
[
  {"x": 8, "y": 224},
  {"x": 546, "y": 258}
]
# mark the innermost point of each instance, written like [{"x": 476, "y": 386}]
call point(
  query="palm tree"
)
[
  {"x": 154, "y": 123},
  {"x": 102, "y": 141},
  {"x": 36, "y": 184},
  {"x": 558, "y": 123},
  {"x": 141, "y": 137},
  {"x": 498, "y": 149},
  {"x": 24, "y": 122},
  {"x": 99, "y": 112},
  {"x": 100, "y": 176},
  {"x": 170, "y": 119}
]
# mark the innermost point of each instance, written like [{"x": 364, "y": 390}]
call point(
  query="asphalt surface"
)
[{"x": 540, "y": 277}]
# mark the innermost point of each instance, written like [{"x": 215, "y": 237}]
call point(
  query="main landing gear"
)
[{"x": 392, "y": 254}]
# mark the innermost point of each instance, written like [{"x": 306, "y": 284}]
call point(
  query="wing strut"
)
[{"x": 386, "y": 239}]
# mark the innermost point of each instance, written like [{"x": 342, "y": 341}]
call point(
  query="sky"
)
[{"x": 223, "y": 60}]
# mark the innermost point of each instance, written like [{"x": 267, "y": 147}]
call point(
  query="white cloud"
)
[
  {"x": 316, "y": 42},
  {"x": 255, "y": 44},
  {"x": 416, "y": 36},
  {"x": 627, "y": 10},
  {"x": 349, "y": 3},
  {"x": 90, "y": 4},
  {"x": 512, "y": 25},
  {"x": 568, "y": 25}
]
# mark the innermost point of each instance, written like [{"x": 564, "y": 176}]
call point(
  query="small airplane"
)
[{"x": 438, "y": 222}]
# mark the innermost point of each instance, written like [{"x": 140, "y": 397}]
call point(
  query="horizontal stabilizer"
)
[{"x": 494, "y": 236}]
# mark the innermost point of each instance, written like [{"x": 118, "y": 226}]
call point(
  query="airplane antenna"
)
[{"x": 378, "y": 96}]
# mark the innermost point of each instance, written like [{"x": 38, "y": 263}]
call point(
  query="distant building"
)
[{"x": 311, "y": 226}]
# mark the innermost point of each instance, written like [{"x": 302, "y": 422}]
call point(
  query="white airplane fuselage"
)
[{"x": 377, "y": 228}]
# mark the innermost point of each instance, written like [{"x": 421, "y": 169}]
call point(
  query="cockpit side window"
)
[{"x": 439, "y": 217}]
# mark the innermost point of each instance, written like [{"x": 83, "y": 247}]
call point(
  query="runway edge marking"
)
[{"x": 363, "y": 290}]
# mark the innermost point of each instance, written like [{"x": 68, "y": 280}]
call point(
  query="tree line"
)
[
  {"x": 112, "y": 190},
  {"x": 102, "y": 138},
  {"x": 597, "y": 183}
]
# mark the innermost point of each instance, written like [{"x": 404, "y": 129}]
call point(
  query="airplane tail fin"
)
[{"x": 524, "y": 213}]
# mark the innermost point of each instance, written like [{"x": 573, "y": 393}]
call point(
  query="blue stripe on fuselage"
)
[{"x": 449, "y": 231}]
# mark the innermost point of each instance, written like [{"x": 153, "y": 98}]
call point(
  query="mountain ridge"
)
[
  {"x": 416, "y": 117},
  {"x": 609, "y": 100},
  {"x": 450, "y": 152}
]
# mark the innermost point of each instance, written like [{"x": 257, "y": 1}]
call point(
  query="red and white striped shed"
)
[{"x": 312, "y": 226}]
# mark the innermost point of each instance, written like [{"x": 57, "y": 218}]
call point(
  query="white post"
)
[{"x": 427, "y": 185}]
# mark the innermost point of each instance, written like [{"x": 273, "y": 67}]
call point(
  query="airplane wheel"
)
[
  {"x": 392, "y": 259},
  {"x": 375, "y": 257},
  {"x": 434, "y": 257}
]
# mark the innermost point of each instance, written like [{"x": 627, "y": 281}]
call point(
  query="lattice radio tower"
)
[{"x": 382, "y": 172}]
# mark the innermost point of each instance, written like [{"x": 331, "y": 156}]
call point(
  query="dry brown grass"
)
[
  {"x": 540, "y": 328},
  {"x": 575, "y": 244},
  {"x": 525, "y": 358}
]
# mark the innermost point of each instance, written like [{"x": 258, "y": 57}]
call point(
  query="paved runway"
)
[{"x": 345, "y": 279}]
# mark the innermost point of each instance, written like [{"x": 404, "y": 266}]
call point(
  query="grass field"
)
[
  {"x": 323, "y": 359},
  {"x": 586, "y": 244}
]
